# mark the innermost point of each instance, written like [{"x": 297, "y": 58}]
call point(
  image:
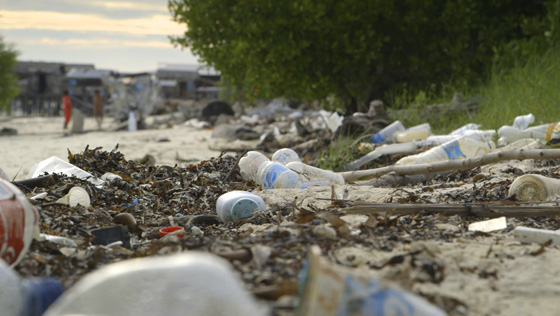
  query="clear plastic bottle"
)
[
  {"x": 190, "y": 283},
  {"x": 18, "y": 223},
  {"x": 235, "y": 205},
  {"x": 249, "y": 165},
  {"x": 26, "y": 297},
  {"x": 380, "y": 151},
  {"x": 285, "y": 156},
  {"x": 460, "y": 148},
  {"x": 388, "y": 133},
  {"x": 309, "y": 173}
]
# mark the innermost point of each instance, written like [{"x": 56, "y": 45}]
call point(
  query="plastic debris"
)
[
  {"x": 534, "y": 187},
  {"x": 535, "y": 235},
  {"x": 489, "y": 225}
]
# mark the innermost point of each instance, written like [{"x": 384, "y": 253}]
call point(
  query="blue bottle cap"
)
[
  {"x": 243, "y": 208},
  {"x": 377, "y": 138}
]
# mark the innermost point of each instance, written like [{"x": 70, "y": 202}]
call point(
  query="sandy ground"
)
[
  {"x": 492, "y": 274},
  {"x": 39, "y": 138}
]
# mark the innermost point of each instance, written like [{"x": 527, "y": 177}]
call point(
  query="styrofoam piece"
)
[
  {"x": 534, "y": 235},
  {"x": 76, "y": 196},
  {"x": 489, "y": 225},
  {"x": 57, "y": 165}
]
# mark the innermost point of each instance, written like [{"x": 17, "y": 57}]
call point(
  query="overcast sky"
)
[{"x": 122, "y": 35}]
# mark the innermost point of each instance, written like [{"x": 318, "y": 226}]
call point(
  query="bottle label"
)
[
  {"x": 273, "y": 172},
  {"x": 12, "y": 225},
  {"x": 377, "y": 138},
  {"x": 453, "y": 150}
]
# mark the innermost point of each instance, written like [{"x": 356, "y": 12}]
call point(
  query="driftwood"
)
[
  {"x": 495, "y": 209},
  {"x": 463, "y": 164}
]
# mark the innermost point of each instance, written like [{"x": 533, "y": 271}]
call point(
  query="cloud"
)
[
  {"x": 154, "y": 7},
  {"x": 157, "y": 24},
  {"x": 95, "y": 43}
]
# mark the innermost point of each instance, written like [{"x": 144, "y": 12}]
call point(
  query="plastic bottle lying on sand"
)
[
  {"x": 190, "y": 283},
  {"x": 309, "y": 173},
  {"x": 26, "y": 297},
  {"x": 18, "y": 223},
  {"x": 509, "y": 134},
  {"x": 380, "y": 151},
  {"x": 285, "y": 156},
  {"x": 388, "y": 133},
  {"x": 329, "y": 289},
  {"x": 460, "y": 148},
  {"x": 436, "y": 140},
  {"x": 534, "y": 187},
  {"x": 269, "y": 174},
  {"x": 418, "y": 132},
  {"x": 235, "y": 205}
]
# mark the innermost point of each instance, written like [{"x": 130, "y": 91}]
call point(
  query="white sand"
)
[{"x": 40, "y": 138}]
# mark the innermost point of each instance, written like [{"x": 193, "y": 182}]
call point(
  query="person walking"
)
[
  {"x": 98, "y": 108},
  {"x": 67, "y": 107}
]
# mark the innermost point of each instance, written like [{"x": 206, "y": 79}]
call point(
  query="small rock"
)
[{"x": 324, "y": 231}]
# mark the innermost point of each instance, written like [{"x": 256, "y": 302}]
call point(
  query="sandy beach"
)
[{"x": 39, "y": 138}]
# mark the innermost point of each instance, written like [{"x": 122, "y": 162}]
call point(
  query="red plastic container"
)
[
  {"x": 166, "y": 230},
  {"x": 18, "y": 221}
]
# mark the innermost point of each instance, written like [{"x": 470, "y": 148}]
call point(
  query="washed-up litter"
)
[
  {"x": 535, "y": 235},
  {"x": 535, "y": 187},
  {"x": 489, "y": 225}
]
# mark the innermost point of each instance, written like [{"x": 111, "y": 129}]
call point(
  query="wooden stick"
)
[
  {"x": 469, "y": 163},
  {"x": 477, "y": 210}
]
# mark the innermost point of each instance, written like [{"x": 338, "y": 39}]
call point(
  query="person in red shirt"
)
[{"x": 67, "y": 106}]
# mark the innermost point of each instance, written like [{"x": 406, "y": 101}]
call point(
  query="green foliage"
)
[
  {"x": 354, "y": 50},
  {"x": 340, "y": 152},
  {"x": 8, "y": 88}
]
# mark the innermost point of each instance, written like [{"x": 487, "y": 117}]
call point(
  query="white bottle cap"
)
[{"x": 243, "y": 208}]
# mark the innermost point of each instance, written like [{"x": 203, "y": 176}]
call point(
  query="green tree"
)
[
  {"x": 8, "y": 88},
  {"x": 355, "y": 50}
]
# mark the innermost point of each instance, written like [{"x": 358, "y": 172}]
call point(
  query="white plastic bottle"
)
[
  {"x": 309, "y": 173},
  {"x": 388, "y": 133},
  {"x": 460, "y": 148},
  {"x": 285, "y": 156},
  {"x": 25, "y": 297},
  {"x": 18, "y": 223},
  {"x": 249, "y": 165},
  {"x": 274, "y": 175},
  {"x": 461, "y": 130},
  {"x": 418, "y": 132},
  {"x": 191, "y": 283},
  {"x": 235, "y": 205},
  {"x": 509, "y": 134}
]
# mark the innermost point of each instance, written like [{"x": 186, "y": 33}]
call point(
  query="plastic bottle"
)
[
  {"x": 461, "y": 130},
  {"x": 418, "y": 132},
  {"x": 388, "y": 133},
  {"x": 235, "y": 205},
  {"x": 249, "y": 165},
  {"x": 509, "y": 134},
  {"x": 191, "y": 283},
  {"x": 309, "y": 173},
  {"x": 132, "y": 123},
  {"x": 460, "y": 148},
  {"x": 26, "y": 297},
  {"x": 285, "y": 155},
  {"x": 18, "y": 223},
  {"x": 269, "y": 174},
  {"x": 380, "y": 151},
  {"x": 523, "y": 121},
  {"x": 534, "y": 187}
]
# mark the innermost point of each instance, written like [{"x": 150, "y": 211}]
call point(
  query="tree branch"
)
[{"x": 463, "y": 164}]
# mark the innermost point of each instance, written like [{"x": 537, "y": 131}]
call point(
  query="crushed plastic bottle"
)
[
  {"x": 26, "y": 297},
  {"x": 328, "y": 289},
  {"x": 509, "y": 134},
  {"x": 234, "y": 205},
  {"x": 18, "y": 223},
  {"x": 460, "y": 148},
  {"x": 418, "y": 132},
  {"x": 191, "y": 283},
  {"x": 380, "y": 151}
]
